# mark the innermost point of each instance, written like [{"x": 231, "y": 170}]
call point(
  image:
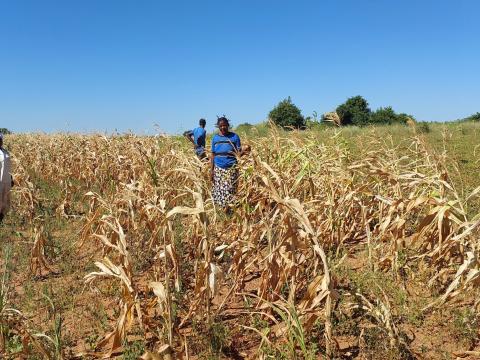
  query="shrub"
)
[
  {"x": 423, "y": 127},
  {"x": 245, "y": 127},
  {"x": 405, "y": 118},
  {"x": 354, "y": 111},
  {"x": 312, "y": 122},
  {"x": 383, "y": 116},
  {"x": 474, "y": 117},
  {"x": 287, "y": 115},
  {"x": 388, "y": 116}
]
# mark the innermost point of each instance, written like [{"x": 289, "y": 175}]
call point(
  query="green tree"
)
[
  {"x": 244, "y": 127},
  {"x": 5, "y": 131},
  {"x": 474, "y": 117},
  {"x": 404, "y": 118},
  {"x": 287, "y": 115},
  {"x": 388, "y": 116},
  {"x": 383, "y": 116},
  {"x": 354, "y": 111}
]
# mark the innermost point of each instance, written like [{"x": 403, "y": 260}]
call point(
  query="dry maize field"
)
[{"x": 339, "y": 247}]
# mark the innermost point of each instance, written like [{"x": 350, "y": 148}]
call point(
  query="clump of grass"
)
[
  {"x": 133, "y": 350},
  {"x": 465, "y": 325}
]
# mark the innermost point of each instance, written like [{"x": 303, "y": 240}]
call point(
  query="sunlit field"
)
[{"x": 359, "y": 243}]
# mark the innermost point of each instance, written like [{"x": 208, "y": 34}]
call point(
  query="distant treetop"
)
[
  {"x": 355, "y": 111},
  {"x": 287, "y": 115},
  {"x": 474, "y": 117}
]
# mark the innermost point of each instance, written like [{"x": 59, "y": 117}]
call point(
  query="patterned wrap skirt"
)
[{"x": 225, "y": 183}]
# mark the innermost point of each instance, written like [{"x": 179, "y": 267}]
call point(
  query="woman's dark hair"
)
[
  {"x": 202, "y": 121},
  {"x": 223, "y": 118}
]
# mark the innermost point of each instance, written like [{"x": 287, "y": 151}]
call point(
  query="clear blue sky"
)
[{"x": 101, "y": 65}]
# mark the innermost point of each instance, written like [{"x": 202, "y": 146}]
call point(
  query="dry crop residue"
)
[{"x": 119, "y": 251}]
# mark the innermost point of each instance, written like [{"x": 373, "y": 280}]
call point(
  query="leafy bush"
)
[
  {"x": 404, "y": 118},
  {"x": 474, "y": 117},
  {"x": 354, "y": 111},
  {"x": 388, "y": 116},
  {"x": 312, "y": 123},
  {"x": 5, "y": 131},
  {"x": 383, "y": 116},
  {"x": 245, "y": 127},
  {"x": 423, "y": 127},
  {"x": 287, "y": 115}
]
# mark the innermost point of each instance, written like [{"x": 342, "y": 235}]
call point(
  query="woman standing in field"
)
[
  {"x": 226, "y": 147},
  {"x": 6, "y": 180}
]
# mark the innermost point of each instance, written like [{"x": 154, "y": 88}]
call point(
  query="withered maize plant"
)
[{"x": 304, "y": 207}]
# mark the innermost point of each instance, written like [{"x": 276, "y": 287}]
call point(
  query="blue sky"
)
[{"x": 101, "y": 65}]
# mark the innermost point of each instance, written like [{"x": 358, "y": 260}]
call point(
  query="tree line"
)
[{"x": 354, "y": 111}]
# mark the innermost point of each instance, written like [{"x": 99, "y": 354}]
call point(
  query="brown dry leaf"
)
[{"x": 38, "y": 262}]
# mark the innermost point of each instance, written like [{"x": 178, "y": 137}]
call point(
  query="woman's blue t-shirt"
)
[{"x": 225, "y": 147}]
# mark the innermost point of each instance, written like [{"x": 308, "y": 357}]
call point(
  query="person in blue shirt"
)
[
  {"x": 197, "y": 137},
  {"x": 226, "y": 148}
]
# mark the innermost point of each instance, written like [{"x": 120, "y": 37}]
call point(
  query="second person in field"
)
[
  {"x": 226, "y": 147},
  {"x": 197, "y": 137}
]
